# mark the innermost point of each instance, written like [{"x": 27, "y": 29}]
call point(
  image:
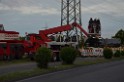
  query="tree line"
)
[{"x": 120, "y": 35}]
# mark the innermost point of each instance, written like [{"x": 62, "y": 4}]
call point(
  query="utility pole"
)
[{"x": 70, "y": 13}]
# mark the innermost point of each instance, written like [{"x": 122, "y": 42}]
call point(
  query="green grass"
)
[
  {"x": 30, "y": 73},
  {"x": 35, "y": 72},
  {"x": 23, "y": 74}
]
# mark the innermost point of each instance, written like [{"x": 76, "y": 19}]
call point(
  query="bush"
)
[
  {"x": 107, "y": 53},
  {"x": 68, "y": 55},
  {"x": 117, "y": 53},
  {"x": 122, "y": 53},
  {"x": 43, "y": 57}
]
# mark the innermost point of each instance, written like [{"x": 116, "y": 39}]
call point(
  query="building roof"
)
[{"x": 9, "y": 32}]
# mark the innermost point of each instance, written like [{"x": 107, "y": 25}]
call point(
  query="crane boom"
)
[
  {"x": 55, "y": 30},
  {"x": 78, "y": 26}
]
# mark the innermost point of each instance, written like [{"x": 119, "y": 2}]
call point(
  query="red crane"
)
[{"x": 44, "y": 33}]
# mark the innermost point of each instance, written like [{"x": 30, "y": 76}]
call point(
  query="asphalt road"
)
[{"x": 107, "y": 72}]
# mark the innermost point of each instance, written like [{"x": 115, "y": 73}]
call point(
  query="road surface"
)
[{"x": 106, "y": 72}]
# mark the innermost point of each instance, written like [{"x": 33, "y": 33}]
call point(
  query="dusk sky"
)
[{"x": 33, "y": 15}]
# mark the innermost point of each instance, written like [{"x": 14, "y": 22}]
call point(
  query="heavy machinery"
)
[
  {"x": 11, "y": 47},
  {"x": 51, "y": 39}
]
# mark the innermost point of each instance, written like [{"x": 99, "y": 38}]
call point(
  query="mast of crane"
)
[{"x": 70, "y": 13}]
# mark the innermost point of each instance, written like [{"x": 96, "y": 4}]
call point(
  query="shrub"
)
[
  {"x": 43, "y": 57},
  {"x": 68, "y": 55},
  {"x": 117, "y": 53},
  {"x": 107, "y": 53},
  {"x": 122, "y": 53}
]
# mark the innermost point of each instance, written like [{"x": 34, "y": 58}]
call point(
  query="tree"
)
[
  {"x": 43, "y": 57},
  {"x": 120, "y": 35},
  {"x": 21, "y": 38},
  {"x": 107, "y": 53},
  {"x": 68, "y": 55}
]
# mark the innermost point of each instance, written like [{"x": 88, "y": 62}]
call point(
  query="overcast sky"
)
[{"x": 33, "y": 15}]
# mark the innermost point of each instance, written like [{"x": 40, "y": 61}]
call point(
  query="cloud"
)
[
  {"x": 36, "y": 10},
  {"x": 19, "y": 14},
  {"x": 105, "y": 8},
  {"x": 3, "y": 7},
  {"x": 29, "y": 9}
]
